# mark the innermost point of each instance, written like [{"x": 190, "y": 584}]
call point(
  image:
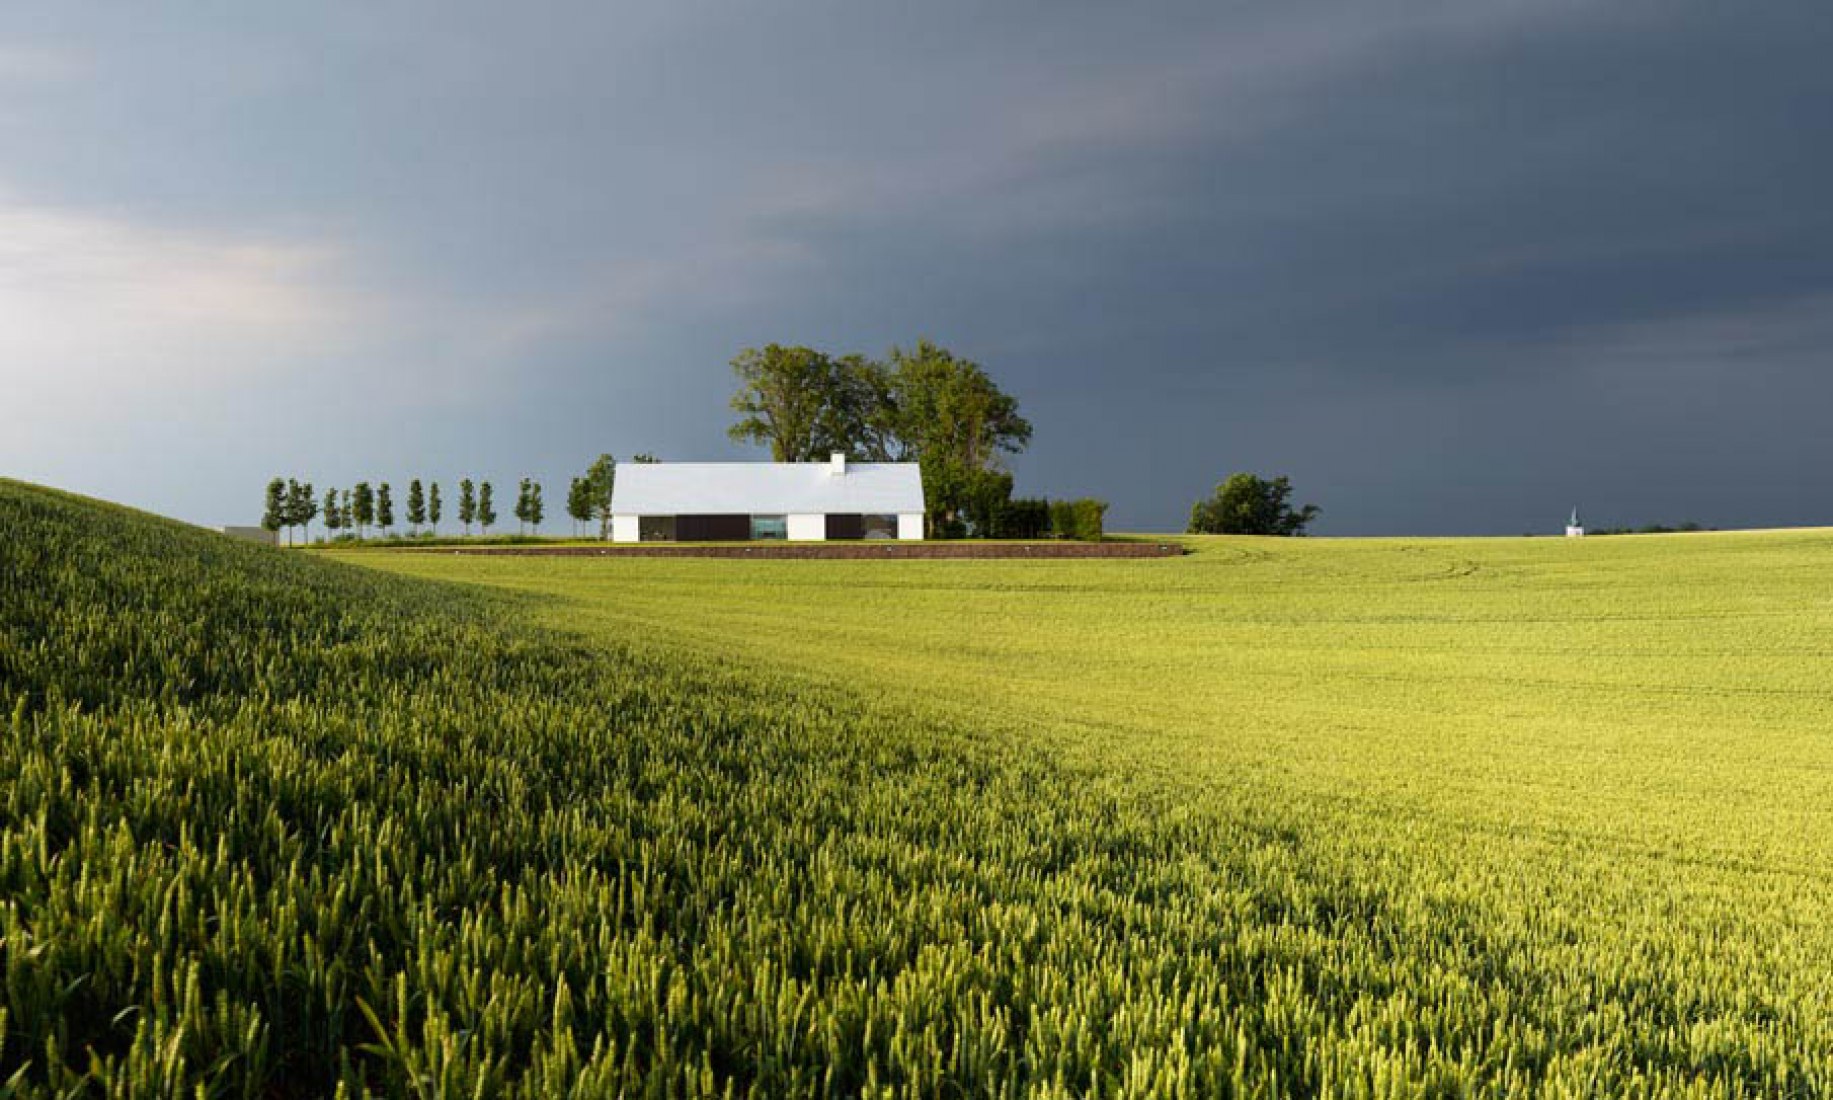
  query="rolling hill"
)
[{"x": 1348, "y": 818}]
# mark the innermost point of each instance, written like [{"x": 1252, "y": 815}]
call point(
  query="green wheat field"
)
[{"x": 1361, "y": 818}]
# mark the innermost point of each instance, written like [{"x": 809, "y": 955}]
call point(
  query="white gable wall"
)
[{"x": 807, "y": 526}]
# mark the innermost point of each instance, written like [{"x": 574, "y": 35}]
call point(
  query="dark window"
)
[
  {"x": 880, "y": 526},
  {"x": 713, "y": 528},
  {"x": 655, "y": 528},
  {"x": 769, "y": 527},
  {"x": 841, "y": 526}
]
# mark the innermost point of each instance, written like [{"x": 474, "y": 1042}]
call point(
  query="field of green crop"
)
[{"x": 1359, "y": 818}]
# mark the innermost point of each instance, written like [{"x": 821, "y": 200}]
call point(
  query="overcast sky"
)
[{"x": 1453, "y": 267}]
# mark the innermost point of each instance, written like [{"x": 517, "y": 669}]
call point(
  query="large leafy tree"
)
[
  {"x": 925, "y": 400},
  {"x": 805, "y": 404},
  {"x": 1246, "y": 504},
  {"x": 535, "y": 508},
  {"x": 334, "y": 515},
  {"x": 385, "y": 507},
  {"x": 947, "y": 408},
  {"x": 948, "y": 414},
  {"x": 861, "y": 417},
  {"x": 433, "y": 506},
  {"x": 782, "y": 395},
  {"x": 923, "y": 404}
]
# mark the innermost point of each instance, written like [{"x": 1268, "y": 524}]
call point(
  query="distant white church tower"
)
[{"x": 1574, "y": 529}]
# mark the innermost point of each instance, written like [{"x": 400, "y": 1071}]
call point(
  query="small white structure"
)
[
  {"x": 738, "y": 501},
  {"x": 1574, "y": 529}
]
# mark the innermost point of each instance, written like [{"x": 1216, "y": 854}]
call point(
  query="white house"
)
[{"x": 734, "y": 501}]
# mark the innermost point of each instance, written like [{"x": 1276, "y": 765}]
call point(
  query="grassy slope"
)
[
  {"x": 255, "y": 799},
  {"x": 254, "y": 794}
]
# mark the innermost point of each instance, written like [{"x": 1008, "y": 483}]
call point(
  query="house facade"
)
[{"x": 740, "y": 501}]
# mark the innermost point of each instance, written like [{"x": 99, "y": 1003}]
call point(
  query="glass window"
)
[
  {"x": 655, "y": 528},
  {"x": 769, "y": 527},
  {"x": 719, "y": 527},
  {"x": 881, "y": 526}
]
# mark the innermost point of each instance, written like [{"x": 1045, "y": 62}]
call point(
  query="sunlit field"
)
[
  {"x": 1608, "y": 762},
  {"x": 1669, "y": 694},
  {"x": 1357, "y": 818}
]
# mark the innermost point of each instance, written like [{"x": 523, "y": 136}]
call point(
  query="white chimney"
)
[{"x": 836, "y": 463}]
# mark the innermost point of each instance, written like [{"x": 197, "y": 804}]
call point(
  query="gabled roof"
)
[{"x": 765, "y": 488}]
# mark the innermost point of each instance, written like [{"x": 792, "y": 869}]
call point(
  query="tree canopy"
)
[
  {"x": 783, "y": 397},
  {"x": 947, "y": 408},
  {"x": 950, "y": 416},
  {"x": 1246, "y": 504},
  {"x": 924, "y": 404}
]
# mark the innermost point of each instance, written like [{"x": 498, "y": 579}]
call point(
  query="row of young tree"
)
[
  {"x": 350, "y": 513},
  {"x": 294, "y": 504}
]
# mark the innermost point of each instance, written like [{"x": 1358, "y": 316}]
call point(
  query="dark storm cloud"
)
[{"x": 1452, "y": 266}]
